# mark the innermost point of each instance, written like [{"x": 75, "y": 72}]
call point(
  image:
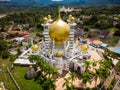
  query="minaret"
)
[
  {"x": 72, "y": 24},
  {"x": 46, "y": 25}
]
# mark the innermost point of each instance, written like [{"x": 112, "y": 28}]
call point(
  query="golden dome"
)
[
  {"x": 30, "y": 66},
  {"x": 84, "y": 47},
  {"x": 59, "y": 31},
  {"x": 1, "y": 88},
  {"x": 49, "y": 16},
  {"x": 69, "y": 17},
  {"x": 72, "y": 19},
  {"x": 45, "y": 19},
  {"x": 35, "y": 47},
  {"x": 59, "y": 54}
]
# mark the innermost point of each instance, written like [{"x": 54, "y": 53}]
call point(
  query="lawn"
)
[
  {"x": 19, "y": 73},
  {"x": 4, "y": 76},
  {"x": 111, "y": 41}
]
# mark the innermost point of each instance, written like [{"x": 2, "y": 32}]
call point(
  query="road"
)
[{"x": 2, "y": 16}]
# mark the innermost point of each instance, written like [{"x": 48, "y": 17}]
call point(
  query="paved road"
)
[{"x": 2, "y": 16}]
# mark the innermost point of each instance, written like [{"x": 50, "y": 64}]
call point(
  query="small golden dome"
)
[
  {"x": 84, "y": 47},
  {"x": 69, "y": 17},
  {"x": 38, "y": 69},
  {"x": 59, "y": 54},
  {"x": 45, "y": 19},
  {"x": 35, "y": 47},
  {"x": 1, "y": 88},
  {"x": 59, "y": 31},
  {"x": 30, "y": 66},
  {"x": 72, "y": 19},
  {"x": 49, "y": 16}
]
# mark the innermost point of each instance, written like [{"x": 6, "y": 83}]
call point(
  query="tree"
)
[
  {"x": 86, "y": 64},
  {"x": 48, "y": 76},
  {"x": 69, "y": 81},
  {"x": 86, "y": 77},
  {"x": 86, "y": 29},
  {"x": 94, "y": 63},
  {"x": 68, "y": 84},
  {"x": 5, "y": 54},
  {"x": 73, "y": 76},
  {"x": 117, "y": 33},
  {"x": 12, "y": 57},
  {"x": 33, "y": 58}
]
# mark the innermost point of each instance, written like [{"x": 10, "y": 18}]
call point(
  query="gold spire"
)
[{"x": 59, "y": 16}]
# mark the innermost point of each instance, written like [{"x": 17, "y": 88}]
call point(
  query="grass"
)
[
  {"x": 19, "y": 73},
  {"x": 111, "y": 41},
  {"x": 118, "y": 66},
  {"x": 113, "y": 29},
  {"x": 4, "y": 76}
]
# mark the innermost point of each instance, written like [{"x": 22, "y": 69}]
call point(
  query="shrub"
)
[{"x": 5, "y": 54}]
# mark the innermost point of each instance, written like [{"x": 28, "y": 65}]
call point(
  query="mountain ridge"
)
[{"x": 90, "y": 2}]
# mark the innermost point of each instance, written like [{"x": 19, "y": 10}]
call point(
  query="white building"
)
[{"x": 60, "y": 48}]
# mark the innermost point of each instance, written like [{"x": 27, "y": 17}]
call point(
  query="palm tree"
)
[
  {"x": 107, "y": 63},
  {"x": 33, "y": 58},
  {"x": 86, "y": 77},
  {"x": 86, "y": 64},
  {"x": 73, "y": 76},
  {"x": 48, "y": 75},
  {"x": 49, "y": 84},
  {"x": 94, "y": 62},
  {"x": 68, "y": 84},
  {"x": 102, "y": 72}
]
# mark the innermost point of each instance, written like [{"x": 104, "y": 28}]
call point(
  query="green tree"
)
[
  {"x": 48, "y": 76},
  {"x": 86, "y": 77},
  {"x": 12, "y": 57},
  {"x": 5, "y": 54},
  {"x": 87, "y": 64}
]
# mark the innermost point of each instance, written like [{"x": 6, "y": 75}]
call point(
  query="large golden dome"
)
[{"x": 59, "y": 31}]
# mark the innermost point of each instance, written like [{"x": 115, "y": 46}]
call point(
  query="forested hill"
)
[
  {"x": 17, "y": 5},
  {"x": 90, "y": 2}
]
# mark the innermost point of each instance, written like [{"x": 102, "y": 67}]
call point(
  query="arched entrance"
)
[
  {"x": 78, "y": 71},
  {"x": 71, "y": 66}
]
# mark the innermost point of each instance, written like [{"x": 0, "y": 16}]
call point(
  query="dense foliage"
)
[{"x": 48, "y": 74}]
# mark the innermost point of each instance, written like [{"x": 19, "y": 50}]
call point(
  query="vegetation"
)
[
  {"x": 4, "y": 49},
  {"x": 25, "y": 84},
  {"x": 4, "y": 76},
  {"x": 48, "y": 75},
  {"x": 69, "y": 81}
]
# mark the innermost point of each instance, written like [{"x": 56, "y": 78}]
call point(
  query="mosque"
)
[{"x": 60, "y": 47}]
